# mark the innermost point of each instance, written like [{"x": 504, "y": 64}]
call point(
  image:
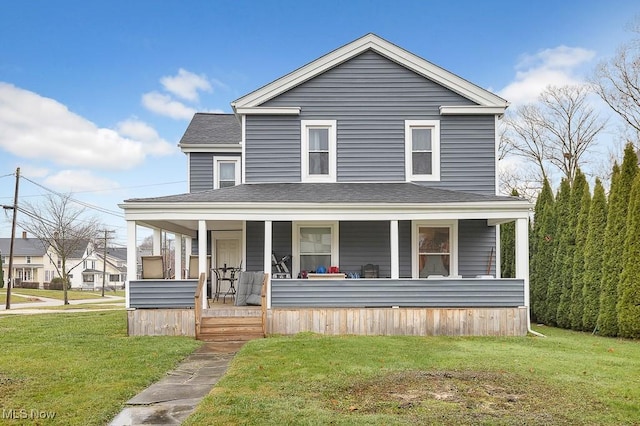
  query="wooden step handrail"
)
[{"x": 198, "y": 303}]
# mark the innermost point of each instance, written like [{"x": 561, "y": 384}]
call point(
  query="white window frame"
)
[
  {"x": 305, "y": 125},
  {"x": 216, "y": 167},
  {"x": 434, "y": 125},
  {"x": 295, "y": 243},
  {"x": 453, "y": 244}
]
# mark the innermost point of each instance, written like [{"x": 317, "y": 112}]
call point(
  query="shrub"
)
[
  {"x": 27, "y": 284},
  {"x": 56, "y": 284}
]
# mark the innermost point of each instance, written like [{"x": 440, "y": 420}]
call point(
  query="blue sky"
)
[{"x": 94, "y": 96}]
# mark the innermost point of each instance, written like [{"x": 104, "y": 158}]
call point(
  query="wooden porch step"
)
[{"x": 227, "y": 329}]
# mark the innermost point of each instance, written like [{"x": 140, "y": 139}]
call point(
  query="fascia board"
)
[
  {"x": 268, "y": 110},
  {"x": 472, "y": 110},
  {"x": 383, "y": 47},
  {"x": 232, "y": 147}
]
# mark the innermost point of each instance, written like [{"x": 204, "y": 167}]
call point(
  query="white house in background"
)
[{"x": 28, "y": 259}]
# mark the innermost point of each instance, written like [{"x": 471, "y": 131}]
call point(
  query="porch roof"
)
[{"x": 329, "y": 193}]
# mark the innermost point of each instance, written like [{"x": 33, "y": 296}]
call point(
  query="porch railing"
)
[{"x": 363, "y": 293}]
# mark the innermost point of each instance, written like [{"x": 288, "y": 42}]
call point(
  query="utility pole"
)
[
  {"x": 13, "y": 238},
  {"x": 104, "y": 261}
]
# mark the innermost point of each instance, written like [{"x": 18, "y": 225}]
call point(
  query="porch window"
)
[
  {"x": 316, "y": 246},
  {"x": 434, "y": 249},
  {"x": 422, "y": 150},
  {"x": 318, "y": 150},
  {"x": 226, "y": 172}
]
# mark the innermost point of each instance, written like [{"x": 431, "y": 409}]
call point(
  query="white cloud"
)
[
  {"x": 35, "y": 127},
  {"x": 147, "y": 135},
  {"x": 558, "y": 66},
  {"x": 167, "y": 106},
  {"x": 69, "y": 181},
  {"x": 186, "y": 84}
]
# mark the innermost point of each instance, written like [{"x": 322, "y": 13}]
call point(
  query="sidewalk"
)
[
  {"x": 35, "y": 307},
  {"x": 172, "y": 399}
]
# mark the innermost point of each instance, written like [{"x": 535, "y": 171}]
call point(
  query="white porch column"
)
[
  {"x": 522, "y": 255},
  {"x": 268, "y": 234},
  {"x": 177, "y": 254},
  {"x": 132, "y": 259},
  {"x": 202, "y": 257},
  {"x": 395, "y": 250},
  {"x": 157, "y": 242}
]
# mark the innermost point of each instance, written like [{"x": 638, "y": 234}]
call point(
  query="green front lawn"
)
[
  {"x": 567, "y": 378},
  {"x": 80, "y": 366}
]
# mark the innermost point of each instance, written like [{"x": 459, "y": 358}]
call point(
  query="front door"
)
[{"x": 228, "y": 253}]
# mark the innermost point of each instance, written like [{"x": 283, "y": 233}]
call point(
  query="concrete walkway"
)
[
  {"x": 45, "y": 302},
  {"x": 172, "y": 399}
]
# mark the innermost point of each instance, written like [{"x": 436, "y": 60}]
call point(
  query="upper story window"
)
[
  {"x": 28, "y": 259},
  {"x": 318, "y": 150},
  {"x": 422, "y": 150},
  {"x": 226, "y": 172}
]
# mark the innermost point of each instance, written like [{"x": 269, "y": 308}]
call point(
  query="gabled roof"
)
[
  {"x": 23, "y": 247},
  {"x": 119, "y": 253},
  {"x": 482, "y": 97},
  {"x": 212, "y": 129},
  {"x": 350, "y": 193}
]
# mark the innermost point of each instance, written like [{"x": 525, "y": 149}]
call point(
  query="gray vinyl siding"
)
[
  {"x": 201, "y": 169},
  {"x": 281, "y": 241},
  {"x": 475, "y": 241},
  {"x": 443, "y": 293},
  {"x": 255, "y": 246},
  {"x": 371, "y": 97},
  {"x": 162, "y": 293},
  {"x": 362, "y": 243},
  {"x": 404, "y": 243}
]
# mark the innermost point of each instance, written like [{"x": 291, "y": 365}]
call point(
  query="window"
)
[
  {"x": 318, "y": 150},
  {"x": 28, "y": 259},
  {"x": 114, "y": 278},
  {"x": 226, "y": 172},
  {"x": 434, "y": 249},
  {"x": 422, "y": 150},
  {"x": 315, "y": 245}
]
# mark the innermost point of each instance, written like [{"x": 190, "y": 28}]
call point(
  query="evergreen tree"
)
[
  {"x": 567, "y": 246},
  {"x": 614, "y": 243},
  {"x": 542, "y": 243},
  {"x": 557, "y": 272},
  {"x": 593, "y": 254},
  {"x": 628, "y": 307},
  {"x": 576, "y": 305},
  {"x": 508, "y": 246}
]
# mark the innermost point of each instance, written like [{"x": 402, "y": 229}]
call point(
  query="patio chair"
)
[
  {"x": 152, "y": 267},
  {"x": 249, "y": 288}
]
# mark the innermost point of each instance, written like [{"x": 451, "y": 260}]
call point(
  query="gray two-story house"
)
[{"x": 374, "y": 173}]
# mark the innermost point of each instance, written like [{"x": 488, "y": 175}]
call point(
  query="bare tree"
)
[
  {"x": 557, "y": 131},
  {"x": 62, "y": 227},
  {"x": 617, "y": 80}
]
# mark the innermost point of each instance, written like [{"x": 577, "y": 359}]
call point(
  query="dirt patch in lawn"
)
[{"x": 466, "y": 397}]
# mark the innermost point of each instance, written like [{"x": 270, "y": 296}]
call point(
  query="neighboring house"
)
[
  {"x": 369, "y": 160},
  {"x": 28, "y": 259}
]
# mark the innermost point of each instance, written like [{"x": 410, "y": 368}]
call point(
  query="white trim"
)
[
  {"x": 217, "y": 148},
  {"x": 202, "y": 258},
  {"x": 498, "y": 255},
  {"x": 177, "y": 258},
  {"x": 243, "y": 158},
  {"x": 522, "y": 255},
  {"x": 132, "y": 259},
  {"x": 295, "y": 242},
  {"x": 453, "y": 241},
  {"x": 472, "y": 110},
  {"x": 395, "y": 249},
  {"x": 269, "y": 110},
  {"x": 305, "y": 125},
  {"x": 243, "y": 244},
  {"x": 383, "y": 47},
  {"x": 217, "y": 159},
  {"x": 268, "y": 247},
  {"x": 434, "y": 125},
  {"x": 496, "y": 175}
]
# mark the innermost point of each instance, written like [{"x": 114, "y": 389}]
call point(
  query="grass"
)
[
  {"x": 80, "y": 366},
  {"x": 14, "y": 298},
  {"x": 567, "y": 378}
]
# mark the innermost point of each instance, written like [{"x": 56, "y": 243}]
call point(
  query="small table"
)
[{"x": 221, "y": 274}]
